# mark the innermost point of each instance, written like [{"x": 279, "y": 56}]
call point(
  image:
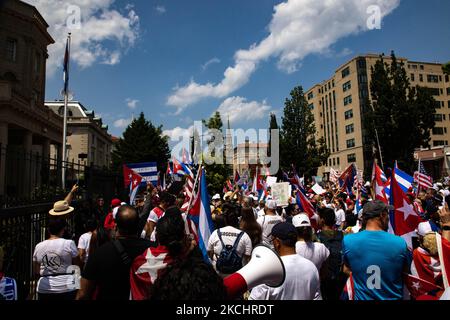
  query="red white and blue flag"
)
[
  {"x": 424, "y": 181},
  {"x": 200, "y": 214},
  {"x": 347, "y": 179},
  {"x": 66, "y": 68},
  {"x": 379, "y": 183},
  {"x": 133, "y": 180},
  {"x": 404, "y": 218}
]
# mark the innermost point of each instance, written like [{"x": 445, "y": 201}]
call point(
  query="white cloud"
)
[
  {"x": 122, "y": 123},
  {"x": 178, "y": 133},
  {"x": 210, "y": 62},
  {"x": 132, "y": 103},
  {"x": 298, "y": 28},
  {"x": 160, "y": 9},
  {"x": 103, "y": 37},
  {"x": 238, "y": 109}
]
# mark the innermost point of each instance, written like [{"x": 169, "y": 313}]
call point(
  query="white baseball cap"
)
[
  {"x": 271, "y": 204},
  {"x": 423, "y": 228},
  {"x": 216, "y": 197},
  {"x": 301, "y": 220}
]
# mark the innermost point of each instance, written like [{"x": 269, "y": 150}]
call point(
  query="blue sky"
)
[{"x": 176, "y": 38}]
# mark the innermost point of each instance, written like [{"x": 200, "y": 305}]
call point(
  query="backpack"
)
[
  {"x": 229, "y": 261},
  {"x": 334, "y": 245}
]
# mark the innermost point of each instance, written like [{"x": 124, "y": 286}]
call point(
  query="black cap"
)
[
  {"x": 284, "y": 231},
  {"x": 374, "y": 209}
]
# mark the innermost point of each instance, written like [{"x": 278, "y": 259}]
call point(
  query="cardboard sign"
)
[
  {"x": 280, "y": 193},
  {"x": 271, "y": 181}
]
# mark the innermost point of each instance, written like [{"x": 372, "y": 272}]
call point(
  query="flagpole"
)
[
  {"x": 66, "y": 100},
  {"x": 418, "y": 184}
]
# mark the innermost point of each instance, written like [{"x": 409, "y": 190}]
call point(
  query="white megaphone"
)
[{"x": 265, "y": 267}]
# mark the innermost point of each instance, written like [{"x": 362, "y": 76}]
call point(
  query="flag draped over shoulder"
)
[{"x": 444, "y": 258}]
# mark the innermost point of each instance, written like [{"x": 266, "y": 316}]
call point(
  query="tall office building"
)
[{"x": 338, "y": 105}]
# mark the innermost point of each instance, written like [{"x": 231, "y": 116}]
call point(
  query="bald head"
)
[{"x": 127, "y": 221}]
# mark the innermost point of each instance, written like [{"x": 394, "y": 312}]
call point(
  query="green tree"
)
[
  {"x": 142, "y": 142},
  {"x": 298, "y": 144},
  {"x": 446, "y": 68},
  {"x": 216, "y": 173},
  {"x": 401, "y": 115}
]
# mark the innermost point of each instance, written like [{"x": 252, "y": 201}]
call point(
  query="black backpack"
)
[
  {"x": 334, "y": 245},
  {"x": 229, "y": 261}
]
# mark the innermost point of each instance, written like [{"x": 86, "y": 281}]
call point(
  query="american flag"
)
[
  {"x": 422, "y": 178},
  {"x": 188, "y": 189}
]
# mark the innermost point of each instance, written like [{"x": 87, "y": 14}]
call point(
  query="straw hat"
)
[{"x": 60, "y": 208}]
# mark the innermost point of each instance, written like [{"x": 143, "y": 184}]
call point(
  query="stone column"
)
[{"x": 3, "y": 145}]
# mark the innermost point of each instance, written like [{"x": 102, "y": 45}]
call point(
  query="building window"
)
[
  {"x": 334, "y": 161},
  {"x": 432, "y": 78},
  {"x": 11, "y": 49},
  {"x": 439, "y": 143},
  {"x": 347, "y": 86},
  {"x": 347, "y": 100},
  {"x": 350, "y": 128},
  {"x": 414, "y": 66},
  {"x": 448, "y": 91},
  {"x": 438, "y": 117},
  {"x": 413, "y": 78},
  {"x": 350, "y": 143},
  {"x": 311, "y": 106},
  {"x": 345, "y": 72},
  {"x": 348, "y": 114},
  {"x": 438, "y": 131},
  {"x": 338, "y": 161},
  {"x": 448, "y": 103},
  {"x": 421, "y": 67},
  {"x": 332, "y": 83},
  {"x": 421, "y": 77},
  {"x": 433, "y": 91},
  {"x": 310, "y": 95},
  {"x": 351, "y": 158}
]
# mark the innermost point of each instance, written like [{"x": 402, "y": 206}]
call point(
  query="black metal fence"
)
[{"x": 32, "y": 184}]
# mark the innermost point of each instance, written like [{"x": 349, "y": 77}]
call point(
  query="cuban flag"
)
[
  {"x": 133, "y": 180},
  {"x": 379, "y": 183},
  {"x": 404, "y": 218},
  {"x": 169, "y": 170},
  {"x": 178, "y": 168},
  {"x": 305, "y": 205},
  {"x": 404, "y": 180},
  {"x": 347, "y": 179},
  {"x": 200, "y": 214}
]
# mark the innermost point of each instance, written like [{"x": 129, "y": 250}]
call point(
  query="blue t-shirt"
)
[{"x": 377, "y": 260}]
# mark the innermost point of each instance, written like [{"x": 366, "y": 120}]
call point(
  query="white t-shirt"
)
[
  {"x": 83, "y": 243},
  {"x": 54, "y": 257},
  {"x": 302, "y": 282},
  {"x": 229, "y": 235},
  {"x": 267, "y": 222},
  {"x": 340, "y": 217},
  {"x": 315, "y": 252},
  {"x": 156, "y": 214},
  {"x": 261, "y": 213}
]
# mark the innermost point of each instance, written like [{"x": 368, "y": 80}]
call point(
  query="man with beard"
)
[{"x": 376, "y": 258}]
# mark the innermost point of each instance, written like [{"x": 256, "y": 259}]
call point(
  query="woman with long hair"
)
[{"x": 249, "y": 225}]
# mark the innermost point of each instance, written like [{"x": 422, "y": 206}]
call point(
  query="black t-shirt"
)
[{"x": 106, "y": 268}]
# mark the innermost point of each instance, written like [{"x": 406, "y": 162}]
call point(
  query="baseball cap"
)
[
  {"x": 216, "y": 197},
  {"x": 115, "y": 202},
  {"x": 284, "y": 231},
  {"x": 423, "y": 228},
  {"x": 301, "y": 220},
  {"x": 271, "y": 204},
  {"x": 373, "y": 209}
]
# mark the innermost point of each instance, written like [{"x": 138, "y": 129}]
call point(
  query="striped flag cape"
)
[{"x": 423, "y": 180}]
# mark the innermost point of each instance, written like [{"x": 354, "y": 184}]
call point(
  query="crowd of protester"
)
[{"x": 151, "y": 250}]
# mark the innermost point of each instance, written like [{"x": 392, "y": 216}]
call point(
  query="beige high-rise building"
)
[
  {"x": 88, "y": 140},
  {"x": 339, "y": 102}
]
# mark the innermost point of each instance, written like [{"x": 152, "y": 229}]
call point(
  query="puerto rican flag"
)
[
  {"x": 200, "y": 214},
  {"x": 404, "y": 218}
]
